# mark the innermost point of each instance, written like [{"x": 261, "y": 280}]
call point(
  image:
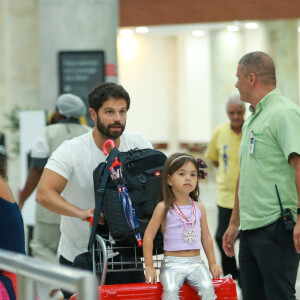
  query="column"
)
[
  {"x": 283, "y": 40},
  {"x": 226, "y": 50},
  {"x": 19, "y": 74},
  {"x": 74, "y": 25}
]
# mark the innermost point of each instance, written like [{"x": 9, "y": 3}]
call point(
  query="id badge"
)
[{"x": 251, "y": 145}]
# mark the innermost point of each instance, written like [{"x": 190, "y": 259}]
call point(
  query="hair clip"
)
[{"x": 201, "y": 165}]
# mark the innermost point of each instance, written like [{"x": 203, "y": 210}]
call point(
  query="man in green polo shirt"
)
[{"x": 269, "y": 155}]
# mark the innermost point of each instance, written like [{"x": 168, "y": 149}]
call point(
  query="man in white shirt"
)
[{"x": 66, "y": 186}]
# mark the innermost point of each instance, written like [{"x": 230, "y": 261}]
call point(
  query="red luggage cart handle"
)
[
  {"x": 111, "y": 143},
  {"x": 90, "y": 220}
]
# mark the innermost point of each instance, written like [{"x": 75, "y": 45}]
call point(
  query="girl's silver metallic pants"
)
[{"x": 177, "y": 270}]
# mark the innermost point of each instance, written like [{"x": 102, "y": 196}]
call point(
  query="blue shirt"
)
[{"x": 11, "y": 227}]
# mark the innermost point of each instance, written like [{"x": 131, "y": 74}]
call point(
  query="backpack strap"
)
[{"x": 99, "y": 191}]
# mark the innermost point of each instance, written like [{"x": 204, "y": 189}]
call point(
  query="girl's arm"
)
[
  {"x": 207, "y": 244},
  {"x": 149, "y": 236}
]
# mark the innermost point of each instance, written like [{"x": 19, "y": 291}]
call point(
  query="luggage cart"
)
[
  {"x": 105, "y": 253},
  {"x": 108, "y": 257}
]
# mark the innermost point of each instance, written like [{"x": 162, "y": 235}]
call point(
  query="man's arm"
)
[
  {"x": 294, "y": 160},
  {"x": 232, "y": 231},
  {"x": 48, "y": 195},
  {"x": 38, "y": 157},
  {"x": 32, "y": 181}
]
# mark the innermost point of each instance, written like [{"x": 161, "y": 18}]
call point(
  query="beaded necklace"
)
[{"x": 189, "y": 233}]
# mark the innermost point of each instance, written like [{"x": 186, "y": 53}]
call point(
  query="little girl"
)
[{"x": 185, "y": 229}]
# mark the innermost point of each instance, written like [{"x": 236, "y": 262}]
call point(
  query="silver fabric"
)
[{"x": 192, "y": 270}]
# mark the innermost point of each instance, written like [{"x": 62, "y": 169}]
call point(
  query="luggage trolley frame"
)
[{"x": 104, "y": 250}]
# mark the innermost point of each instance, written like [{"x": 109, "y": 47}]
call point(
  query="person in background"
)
[
  {"x": 269, "y": 155},
  {"x": 184, "y": 225},
  {"x": 67, "y": 185},
  {"x": 11, "y": 231},
  {"x": 46, "y": 233},
  {"x": 223, "y": 150},
  {"x": 54, "y": 117}
]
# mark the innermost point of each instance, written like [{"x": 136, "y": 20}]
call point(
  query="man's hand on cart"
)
[
  {"x": 101, "y": 219},
  {"x": 83, "y": 215},
  {"x": 150, "y": 274},
  {"x": 88, "y": 214}
]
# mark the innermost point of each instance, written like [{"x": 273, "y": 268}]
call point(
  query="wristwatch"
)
[{"x": 298, "y": 211}]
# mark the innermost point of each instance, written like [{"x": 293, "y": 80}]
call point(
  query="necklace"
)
[
  {"x": 186, "y": 219},
  {"x": 189, "y": 233}
]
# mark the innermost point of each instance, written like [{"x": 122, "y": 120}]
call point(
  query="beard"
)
[{"x": 106, "y": 130}]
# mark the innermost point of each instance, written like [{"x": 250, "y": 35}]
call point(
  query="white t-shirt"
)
[
  {"x": 44, "y": 145},
  {"x": 76, "y": 160}
]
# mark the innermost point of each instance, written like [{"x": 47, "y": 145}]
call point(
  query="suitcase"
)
[{"x": 225, "y": 289}]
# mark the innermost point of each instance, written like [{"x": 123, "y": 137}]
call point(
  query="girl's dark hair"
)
[
  {"x": 106, "y": 91},
  {"x": 172, "y": 164}
]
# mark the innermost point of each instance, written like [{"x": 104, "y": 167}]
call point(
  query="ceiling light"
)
[
  {"x": 298, "y": 29},
  {"x": 142, "y": 29},
  {"x": 126, "y": 32},
  {"x": 232, "y": 28},
  {"x": 128, "y": 47},
  {"x": 251, "y": 25}
]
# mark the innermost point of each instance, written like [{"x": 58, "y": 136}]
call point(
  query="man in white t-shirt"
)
[{"x": 66, "y": 186}]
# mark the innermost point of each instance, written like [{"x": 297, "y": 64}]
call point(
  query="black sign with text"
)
[{"x": 80, "y": 72}]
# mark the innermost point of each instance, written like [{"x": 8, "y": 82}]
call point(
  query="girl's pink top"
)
[{"x": 174, "y": 228}]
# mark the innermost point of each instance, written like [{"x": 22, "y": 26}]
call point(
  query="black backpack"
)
[{"x": 141, "y": 175}]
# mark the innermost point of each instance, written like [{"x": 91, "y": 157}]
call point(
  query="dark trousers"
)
[
  {"x": 113, "y": 277},
  {"x": 268, "y": 263},
  {"x": 68, "y": 263},
  {"x": 228, "y": 263}
]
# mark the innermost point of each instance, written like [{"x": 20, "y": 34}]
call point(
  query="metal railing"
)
[{"x": 31, "y": 271}]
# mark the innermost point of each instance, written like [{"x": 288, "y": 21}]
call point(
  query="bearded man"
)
[{"x": 66, "y": 186}]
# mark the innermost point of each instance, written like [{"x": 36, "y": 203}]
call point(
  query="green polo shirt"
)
[{"x": 275, "y": 126}]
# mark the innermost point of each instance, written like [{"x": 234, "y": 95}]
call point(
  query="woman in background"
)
[{"x": 11, "y": 231}]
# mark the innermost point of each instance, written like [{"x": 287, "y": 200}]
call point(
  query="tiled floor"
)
[{"x": 207, "y": 196}]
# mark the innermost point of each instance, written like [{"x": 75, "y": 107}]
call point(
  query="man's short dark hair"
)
[
  {"x": 261, "y": 64},
  {"x": 106, "y": 91}
]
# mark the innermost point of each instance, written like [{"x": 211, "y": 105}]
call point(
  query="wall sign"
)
[{"x": 80, "y": 72}]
